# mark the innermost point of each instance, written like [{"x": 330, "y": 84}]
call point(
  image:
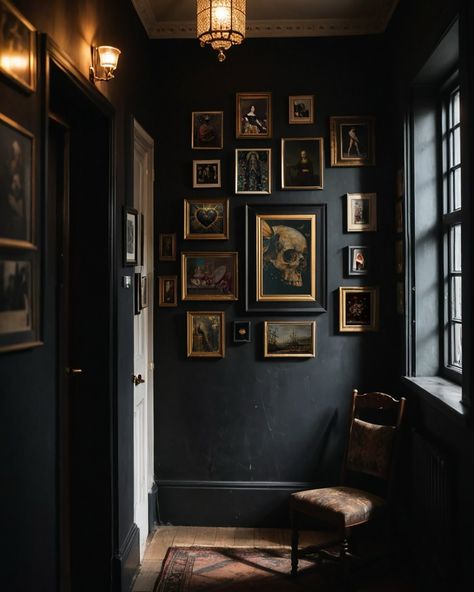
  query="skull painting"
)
[{"x": 285, "y": 249}]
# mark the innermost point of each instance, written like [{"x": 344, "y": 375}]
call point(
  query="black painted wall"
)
[{"x": 232, "y": 436}]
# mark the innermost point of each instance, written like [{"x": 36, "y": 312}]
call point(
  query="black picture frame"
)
[
  {"x": 130, "y": 236},
  {"x": 137, "y": 293},
  {"x": 242, "y": 331},
  {"x": 357, "y": 260},
  {"x": 315, "y": 301}
]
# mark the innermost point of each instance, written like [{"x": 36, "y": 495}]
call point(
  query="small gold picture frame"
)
[
  {"x": 167, "y": 290},
  {"x": 253, "y": 115},
  {"x": 206, "y": 219},
  {"x": 289, "y": 339},
  {"x": 167, "y": 246},
  {"x": 207, "y": 130},
  {"x": 206, "y": 174},
  {"x": 361, "y": 212},
  {"x": 205, "y": 334},
  {"x": 358, "y": 309},
  {"x": 301, "y": 109},
  {"x": 352, "y": 141}
]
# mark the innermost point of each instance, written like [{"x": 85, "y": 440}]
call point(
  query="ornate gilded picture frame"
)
[
  {"x": 253, "y": 115},
  {"x": 352, "y": 141},
  {"x": 206, "y": 219},
  {"x": 209, "y": 275},
  {"x": 289, "y": 339},
  {"x": 253, "y": 171},
  {"x": 358, "y": 309},
  {"x": 207, "y": 130},
  {"x": 205, "y": 334}
]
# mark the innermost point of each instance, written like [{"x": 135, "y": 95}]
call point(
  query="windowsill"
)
[{"x": 442, "y": 393}]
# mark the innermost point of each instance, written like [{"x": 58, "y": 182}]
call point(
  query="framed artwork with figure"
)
[
  {"x": 206, "y": 334},
  {"x": 352, "y": 141},
  {"x": 130, "y": 236},
  {"x": 168, "y": 290},
  {"x": 286, "y": 258},
  {"x": 302, "y": 163},
  {"x": 357, "y": 260},
  {"x": 253, "y": 171},
  {"x": 301, "y": 109},
  {"x": 253, "y": 116},
  {"x": 206, "y": 174},
  {"x": 209, "y": 275},
  {"x": 207, "y": 130},
  {"x": 361, "y": 212}
]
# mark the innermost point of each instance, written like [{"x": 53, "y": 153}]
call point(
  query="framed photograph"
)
[
  {"x": 357, "y": 260},
  {"x": 361, "y": 212},
  {"x": 206, "y": 174},
  {"x": 242, "y": 331},
  {"x": 400, "y": 298},
  {"x": 17, "y": 203},
  {"x": 130, "y": 236},
  {"x": 209, "y": 276},
  {"x": 253, "y": 171},
  {"x": 19, "y": 300},
  {"x": 17, "y": 47},
  {"x": 302, "y": 163},
  {"x": 289, "y": 339},
  {"x": 206, "y": 219},
  {"x": 253, "y": 115},
  {"x": 399, "y": 258},
  {"x": 207, "y": 130},
  {"x": 206, "y": 334},
  {"x": 399, "y": 216},
  {"x": 352, "y": 141},
  {"x": 286, "y": 258},
  {"x": 358, "y": 309},
  {"x": 168, "y": 290},
  {"x": 167, "y": 247},
  {"x": 301, "y": 109}
]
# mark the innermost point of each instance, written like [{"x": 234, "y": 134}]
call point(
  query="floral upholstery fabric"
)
[
  {"x": 370, "y": 448},
  {"x": 340, "y": 506}
]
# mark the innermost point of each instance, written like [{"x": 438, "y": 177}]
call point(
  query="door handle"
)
[
  {"x": 138, "y": 379},
  {"x": 74, "y": 371}
]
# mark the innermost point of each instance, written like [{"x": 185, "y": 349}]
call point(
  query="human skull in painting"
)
[{"x": 286, "y": 249}]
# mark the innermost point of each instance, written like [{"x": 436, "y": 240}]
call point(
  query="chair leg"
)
[{"x": 294, "y": 542}]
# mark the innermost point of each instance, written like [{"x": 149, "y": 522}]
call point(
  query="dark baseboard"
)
[
  {"x": 127, "y": 561},
  {"x": 153, "y": 508},
  {"x": 227, "y": 503}
]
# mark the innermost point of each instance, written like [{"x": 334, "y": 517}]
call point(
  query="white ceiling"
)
[{"x": 174, "y": 19}]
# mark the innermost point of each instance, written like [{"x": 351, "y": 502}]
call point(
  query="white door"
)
[{"x": 143, "y": 334}]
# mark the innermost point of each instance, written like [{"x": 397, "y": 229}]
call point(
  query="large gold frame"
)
[
  {"x": 374, "y": 310},
  {"x": 189, "y": 339},
  {"x": 266, "y": 354},
  {"x": 210, "y": 297}
]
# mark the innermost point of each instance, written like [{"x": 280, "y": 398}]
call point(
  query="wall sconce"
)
[{"x": 104, "y": 62}]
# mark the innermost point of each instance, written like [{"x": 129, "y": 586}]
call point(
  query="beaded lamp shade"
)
[{"x": 220, "y": 24}]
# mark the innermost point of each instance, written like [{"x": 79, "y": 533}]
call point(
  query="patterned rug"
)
[{"x": 199, "y": 569}]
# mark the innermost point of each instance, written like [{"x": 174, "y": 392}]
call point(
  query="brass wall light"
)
[
  {"x": 104, "y": 62},
  {"x": 220, "y": 24}
]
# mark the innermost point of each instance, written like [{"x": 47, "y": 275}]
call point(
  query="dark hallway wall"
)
[{"x": 232, "y": 436}]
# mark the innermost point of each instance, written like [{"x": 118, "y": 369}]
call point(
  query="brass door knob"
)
[{"x": 138, "y": 379}]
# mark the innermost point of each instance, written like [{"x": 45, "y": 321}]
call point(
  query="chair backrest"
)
[{"x": 375, "y": 419}]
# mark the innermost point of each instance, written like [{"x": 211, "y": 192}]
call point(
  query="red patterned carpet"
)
[{"x": 199, "y": 569}]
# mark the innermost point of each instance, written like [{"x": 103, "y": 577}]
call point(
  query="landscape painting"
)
[{"x": 290, "y": 339}]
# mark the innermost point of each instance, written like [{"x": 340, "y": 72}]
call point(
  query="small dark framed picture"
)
[
  {"x": 167, "y": 247},
  {"x": 301, "y": 109},
  {"x": 253, "y": 115},
  {"x": 242, "y": 331},
  {"x": 17, "y": 47},
  {"x": 357, "y": 260},
  {"x": 130, "y": 236},
  {"x": 168, "y": 290},
  {"x": 145, "y": 291},
  {"x": 399, "y": 216},
  {"x": 352, "y": 141},
  {"x": 205, "y": 334},
  {"x": 207, "y": 130},
  {"x": 253, "y": 171},
  {"x": 206, "y": 219},
  {"x": 361, "y": 212},
  {"x": 302, "y": 163},
  {"x": 289, "y": 339},
  {"x": 399, "y": 257},
  {"x": 206, "y": 174},
  {"x": 138, "y": 289},
  {"x": 358, "y": 309}
]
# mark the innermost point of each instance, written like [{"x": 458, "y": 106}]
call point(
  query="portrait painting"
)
[
  {"x": 206, "y": 219},
  {"x": 361, "y": 212},
  {"x": 207, "y": 130},
  {"x": 168, "y": 290},
  {"x": 205, "y": 334},
  {"x": 206, "y": 174},
  {"x": 357, "y": 260},
  {"x": 167, "y": 246},
  {"x": 253, "y": 115},
  {"x": 352, "y": 141},
  {"x": 209, "y": 275},
  {"x": 302, "y": 163},
  {"x": 253, "y": 171},
  {"x": 17, "y": 47},
  {"x": 16, "y": 184},
  {"x": 358, "y": 309},
  {"x": 301, "y": 109},
  {"x": 289, "y": 339},
  {"x": 130, "y": 238}
]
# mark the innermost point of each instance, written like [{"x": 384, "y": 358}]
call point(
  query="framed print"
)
[
  {"x": 302, "y": 163},
  {"x": 206, "y": 219},
  {"x": 399, "y": 216},
  {"x": 17, "y": 203},
  {"x": 399, "y": 258},
  {"x": 168, "y": 290},
  {"x": 253, "y": 171},
  {"x": 358, "y": 309},
  {"x": 361, "y": 212},
  {"x": 144, "y": 291},
  {"x": 19, "y": 299},
  {"x": 17, "y": 47},
  {"x": 352, "y": 141},
  {"x": 206, "y": 174},
  {"x": 242, "y": 331},
  {"x": 357, "y": 260},
  {"x": 130, "y": 236},
  {"x": 206, "y": 334},
  {"x": 167, "y": 247},
  {"x": 301, "y": 109},
  {"x": 207, "y": 130},
  {"x": 138, "y": 288},
  {"x": 209, "y": 276},
  {"x": 286, "y": 258},
  {"x": 253, "y": 115},
  {"x": 289, "y": 339}
]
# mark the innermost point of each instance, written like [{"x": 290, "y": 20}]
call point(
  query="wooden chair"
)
[{"x": 374, "y": 423}]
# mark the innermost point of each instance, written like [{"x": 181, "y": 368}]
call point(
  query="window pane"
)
[
  {"x": 455, "y": 236},
  {"x": 455, "y": 190},
  {"x": 455, "y": 108},
  {"x": 456, "y": 345},
  {"x": 456, "y": 298},
  {"x": 456, "y": 154}
]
